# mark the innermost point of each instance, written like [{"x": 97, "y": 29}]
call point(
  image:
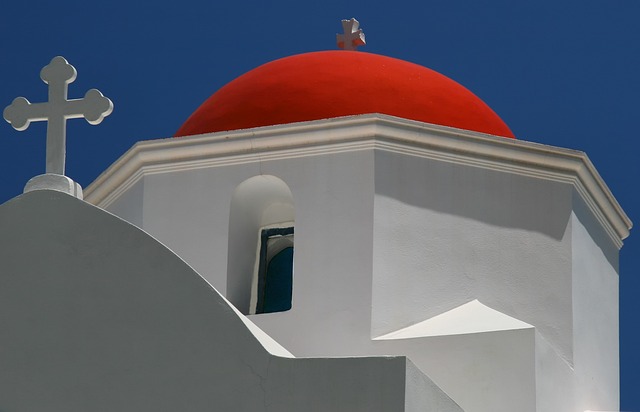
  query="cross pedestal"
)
[
  {"x": 20, "y": 113},
  {"x": 52, "y": 181}
]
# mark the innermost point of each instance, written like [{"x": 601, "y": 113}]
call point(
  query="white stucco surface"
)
[
  {"x": 461, "y": 233},
  {"x": 595, "y": 291},
  {"x": 489, "y": 371},
  {"x": 97, "y": 315},
  {"x": 399, "y": 228},
  {"x": 555, "y": 379}
]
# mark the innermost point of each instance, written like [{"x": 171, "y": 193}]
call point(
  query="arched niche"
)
[{"x": 261, "y": 225}]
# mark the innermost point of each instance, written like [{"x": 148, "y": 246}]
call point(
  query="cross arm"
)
[
  {"x": 94, "y": 107},
  {"x": 20, "y": 113}
]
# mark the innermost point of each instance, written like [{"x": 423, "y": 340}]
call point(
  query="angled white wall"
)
[
  {"x": 595, "y": 296},
  {"x": 454, "y": 233}
]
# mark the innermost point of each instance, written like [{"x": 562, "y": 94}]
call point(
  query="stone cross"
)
[
  {"x": 93, "y": 107},
  {"x": 353, "y": 36}
]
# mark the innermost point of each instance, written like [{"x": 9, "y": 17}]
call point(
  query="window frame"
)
[{"x": 264, "y": 256}]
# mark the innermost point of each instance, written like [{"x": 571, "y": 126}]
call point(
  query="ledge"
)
[{"x": 365, "y": 132}]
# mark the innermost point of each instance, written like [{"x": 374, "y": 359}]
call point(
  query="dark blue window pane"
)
[{"x": 278, "y": 282}]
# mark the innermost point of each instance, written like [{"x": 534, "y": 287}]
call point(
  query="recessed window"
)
[
  {"x": 275, "y": 270},
  {"x": 260, "y": 259}
]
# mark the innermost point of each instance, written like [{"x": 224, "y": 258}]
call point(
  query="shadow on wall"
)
[
  {"x": 260, "y": 259},
  {"x": 489, "y": 196}
]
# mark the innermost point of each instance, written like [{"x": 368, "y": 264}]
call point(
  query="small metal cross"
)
[
  {"x": 353, "y": 36},
  {"x": 93, "y": 107}
]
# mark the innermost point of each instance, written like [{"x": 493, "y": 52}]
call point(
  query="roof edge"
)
[{"x": 365, "y": 132}]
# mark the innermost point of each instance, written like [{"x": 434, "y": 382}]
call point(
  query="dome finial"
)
[{"x": 353, "y": 36}]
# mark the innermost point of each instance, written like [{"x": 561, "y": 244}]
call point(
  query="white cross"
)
[
  {"x": 93, "y": 107},
  {"x": 353, "y": 36}
]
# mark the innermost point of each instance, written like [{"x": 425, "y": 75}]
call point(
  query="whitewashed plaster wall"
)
[
  {"x": 459, "y": 233},
  {"x": 490, "y": 371},
  {"x": 385, "y": 240},
  {"x": 555, "y": 380},
  {"x": 334, "y": 212},
  {"x": 427, "y": 261},
  {"x": 434, "y": 236},
  {"x": 596, "y": 336},
  {"x": 130, "y": 204},
  {"x": 455, "y": 233},
  {"x": 189, "y": 211},
  {"x": 97, "y": 315},
  {"x": 512, "y": 242},
  {"x": 592, "y": 381}
]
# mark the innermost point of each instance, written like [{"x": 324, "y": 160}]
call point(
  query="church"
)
[{"x": 330, "y": 231}]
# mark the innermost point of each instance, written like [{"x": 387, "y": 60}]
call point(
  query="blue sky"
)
[{"x": 563, "y": 73}]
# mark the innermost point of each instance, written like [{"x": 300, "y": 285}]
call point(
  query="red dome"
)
[{"x": 327, "y": 84}]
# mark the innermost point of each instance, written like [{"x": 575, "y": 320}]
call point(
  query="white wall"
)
[
  {"x": 131, "y": 204},
  {"x": 98, "y": 316},
  {"x": 595, "y": 294},
  {"x": 455, "y": 233},
  {"x": 189, "y": 211},
  {"x": 386, "y": 239}
]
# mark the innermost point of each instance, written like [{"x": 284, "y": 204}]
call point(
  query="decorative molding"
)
[{"x": 365, "y": 132}]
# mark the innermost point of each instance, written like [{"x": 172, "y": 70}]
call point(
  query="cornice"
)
[{"x": 364, "y": 132}]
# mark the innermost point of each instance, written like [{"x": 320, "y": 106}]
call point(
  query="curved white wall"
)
[{"x": 96, "y": 315}]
